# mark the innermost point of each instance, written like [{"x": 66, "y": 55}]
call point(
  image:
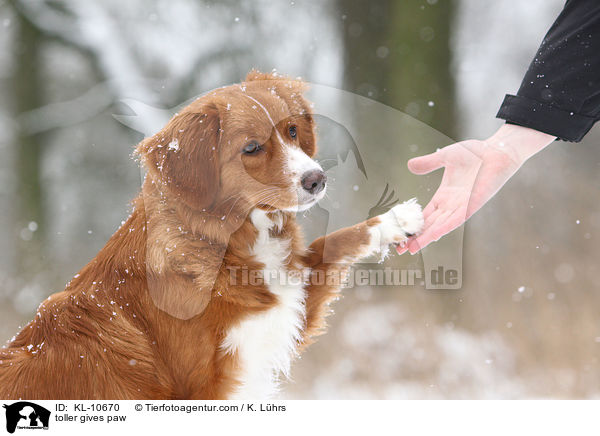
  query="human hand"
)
[{"x": 474, "y": 172}]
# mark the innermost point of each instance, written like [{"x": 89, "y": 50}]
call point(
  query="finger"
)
[
  {"x": 432, "y": 218},
  {"x": 425, "y": 164},
  {"x": 416, "y": 246},
  {"x": 430, "y": 233},
  {"x": 443, "y": 225},
  {"x": 401, "y": 249},
  {"x": 430, "y": 208},
  {"x": 421, "y": 242}
]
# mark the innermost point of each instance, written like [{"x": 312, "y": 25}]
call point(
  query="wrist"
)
[{"x": 519, "y": 142}]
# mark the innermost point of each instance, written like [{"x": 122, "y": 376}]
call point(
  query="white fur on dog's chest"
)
[{"x": 264, "y": 344}]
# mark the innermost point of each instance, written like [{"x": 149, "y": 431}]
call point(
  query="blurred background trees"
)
[
  {"x": 525, "y": 322},
  {"x": 27, "y": 96},
  {"x": 398, "y": 52}
]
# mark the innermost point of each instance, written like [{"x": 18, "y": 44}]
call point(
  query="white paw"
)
[
  {"x": 409, "y": 216},
  {"x": 397, "y": 225}
]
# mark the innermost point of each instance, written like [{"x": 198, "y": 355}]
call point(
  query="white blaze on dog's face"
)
[{"x": 308, "y": 178}]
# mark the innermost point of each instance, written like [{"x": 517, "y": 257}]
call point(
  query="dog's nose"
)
[{"x": 314, "y": 181}]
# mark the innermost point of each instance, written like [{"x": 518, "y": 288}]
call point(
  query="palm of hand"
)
[{"x": 474, "y": 172}]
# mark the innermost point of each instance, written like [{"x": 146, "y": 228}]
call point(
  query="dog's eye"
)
[
  {"x": 251, "y": 148},
  {"x": 293, "y": 132}
]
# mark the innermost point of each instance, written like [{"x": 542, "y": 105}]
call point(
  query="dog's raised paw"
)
[
  {"x": 398, "y": 224},
  {"x": 410, "y": 217}
]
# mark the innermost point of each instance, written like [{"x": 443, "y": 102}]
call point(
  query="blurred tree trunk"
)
[
  {"x": 28, "y": 95},
  {"x": 397, "y": 52}
]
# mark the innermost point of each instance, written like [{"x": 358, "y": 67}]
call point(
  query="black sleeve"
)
[{"x": 560, "y": 93}]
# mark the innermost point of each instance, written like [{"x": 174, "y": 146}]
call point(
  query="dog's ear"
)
[{"x": 184, "y": 156}]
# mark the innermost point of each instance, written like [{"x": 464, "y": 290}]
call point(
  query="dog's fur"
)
[{"x": 165, "y": 310}]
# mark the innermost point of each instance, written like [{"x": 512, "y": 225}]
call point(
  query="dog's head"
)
[{"x": 247, "y": 145}]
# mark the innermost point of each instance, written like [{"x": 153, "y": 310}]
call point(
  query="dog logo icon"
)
[{"x": 26, "y": 415}]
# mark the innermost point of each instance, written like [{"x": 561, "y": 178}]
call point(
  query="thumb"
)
[{"x": 426, "y": 164}]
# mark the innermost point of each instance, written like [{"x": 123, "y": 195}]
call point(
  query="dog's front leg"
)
[{"x": 330, "y": 256}]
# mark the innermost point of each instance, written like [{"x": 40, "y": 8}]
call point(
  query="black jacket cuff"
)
[{"x": 526, "y": 112}]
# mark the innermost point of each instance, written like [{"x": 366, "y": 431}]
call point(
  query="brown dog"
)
[{"x": 206, "y": 291}]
